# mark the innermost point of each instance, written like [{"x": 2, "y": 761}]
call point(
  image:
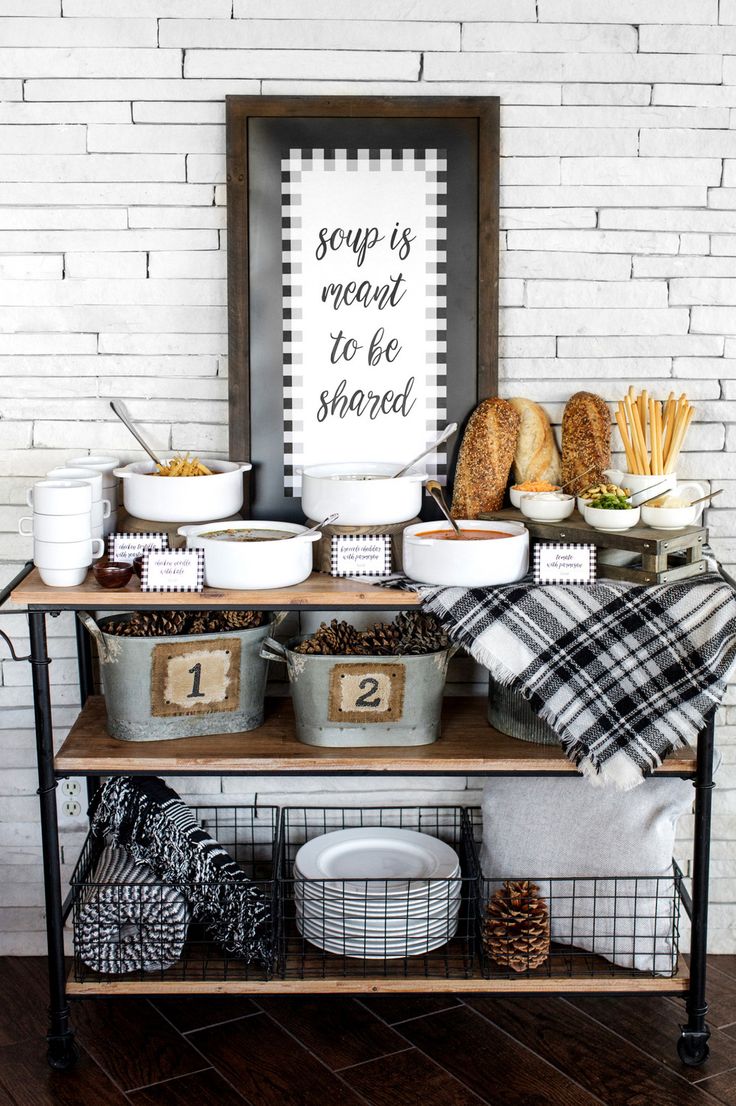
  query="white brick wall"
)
[{"x": 618, "y": 196}]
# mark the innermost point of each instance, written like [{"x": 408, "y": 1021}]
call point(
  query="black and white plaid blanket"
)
[
  {"x": 623, "y": 673},
  {"x": 149, "y": 819},
  {"x": 129, "y": 921}
]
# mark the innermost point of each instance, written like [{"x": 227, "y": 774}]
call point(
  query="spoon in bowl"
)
[
  {"x": 317, "y": 526},
  {"x": 446, "y": 433},
  {"x": 435, "y": 490}
]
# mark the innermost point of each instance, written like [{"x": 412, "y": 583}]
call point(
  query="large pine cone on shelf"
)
[
  {"x": 516, "y": 927},
  {"x": 149, "y": 624}
]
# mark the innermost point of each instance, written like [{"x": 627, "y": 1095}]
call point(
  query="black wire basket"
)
[
  {"x": 596, "y": 927},
  {"x": 139, "y": 928},
  {"x": 357, "y": 927}
]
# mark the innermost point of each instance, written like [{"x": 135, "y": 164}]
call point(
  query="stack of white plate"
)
[{"x": 376, "y": 892}]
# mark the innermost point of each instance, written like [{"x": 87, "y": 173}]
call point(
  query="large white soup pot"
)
[
  {"x": 470, "y": 564},
  {"x": 183, "y": 498},
  {"x": 328, "y": 489},
  {"x": 248, "y": 566}
]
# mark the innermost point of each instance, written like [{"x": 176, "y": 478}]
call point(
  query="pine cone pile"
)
[
  {"x": 516, "y": 927},
  {"x": 411, "y": 633},
  {"x": 171, "y": 623}
]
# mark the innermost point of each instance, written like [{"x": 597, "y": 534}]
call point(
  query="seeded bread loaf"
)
[
  {"x": 486, "y": 455},
  {"x": 537, "y": 456},
  {"x": 586, "y": 441}
]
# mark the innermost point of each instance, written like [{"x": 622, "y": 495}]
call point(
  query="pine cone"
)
[
  {"x": 516, "y": 927},
  {"x": 149, "y": 624},
  {"x": 382, "y": 639},
  {"x": 420, "y": 633},
  {"x": 337, "y": 639},
  {"x": 240, "y": 620}
]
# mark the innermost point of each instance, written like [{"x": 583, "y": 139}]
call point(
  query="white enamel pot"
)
[
  {"x": 249, "y": 566},
  {"x": 183, "y": 498},
  {"x": 470, "y": 564},
  {"x": 329, "y": 489}
]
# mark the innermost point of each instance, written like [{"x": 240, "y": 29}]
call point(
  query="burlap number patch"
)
[
  {"x": 366, "y": 692},
  {"x": 201, "y": 678}
]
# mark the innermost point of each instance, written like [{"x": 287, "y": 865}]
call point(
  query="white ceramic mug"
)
[
  {"x": 110, "y": 524},
  {"x": 92, "y": 476},
  {"x": 57, "y": 528},
  {"x": 100, "y": 510},
  {"x": 60, "y": 497},
  {"x": 62, "y": 577},
  {"x": 101, "y": 463},
  {"x": 70, "y": 554}
]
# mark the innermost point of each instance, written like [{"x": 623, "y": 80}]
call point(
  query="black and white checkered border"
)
[
  {"x": 144, "y": 535},
  {"x": 433, "y": 162},
  {"x": 176, "y": 553},
  {"x": 387, "y": 553},
  {"x": 591, "y": 551}
]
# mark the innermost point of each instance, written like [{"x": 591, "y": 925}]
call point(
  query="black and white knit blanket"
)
[
  {"x": 623, "y": 673},
  {"x": 129, "y": 921},
  {"x": 145, "y": 816}
]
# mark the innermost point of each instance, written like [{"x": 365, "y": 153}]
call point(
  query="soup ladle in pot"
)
[
  {"x": 317, "y": 526},
  {"x": 446, "y": 433},
  {"x": 435, "y": 490},
  {"x": 124, "y": 415}
]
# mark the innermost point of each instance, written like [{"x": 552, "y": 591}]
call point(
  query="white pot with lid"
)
[
  {"x": 468, "y": 563},
  {"x": 183, "y": 498},
  {"x": 259, "y": 563},
  {"x": 362, "y": 492}
]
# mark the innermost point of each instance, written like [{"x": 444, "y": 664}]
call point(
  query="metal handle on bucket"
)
[
  {"x": 89, "y": 624},
  {"x": 272, "y": 650}
]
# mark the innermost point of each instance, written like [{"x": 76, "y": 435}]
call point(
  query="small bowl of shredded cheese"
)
[{"x": 531, "y": 487}]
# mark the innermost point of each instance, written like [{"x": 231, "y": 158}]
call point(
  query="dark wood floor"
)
[{"x": 381, "y": 1051}]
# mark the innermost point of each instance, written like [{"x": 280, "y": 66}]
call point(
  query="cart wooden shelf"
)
[{"x": 468, "y": 746}]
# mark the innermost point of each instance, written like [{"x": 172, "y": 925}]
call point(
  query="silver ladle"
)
[
  {"x": 435, "y": 490},
  {"x": 124, "y": 415},
  {"x": 446, "y": 433}
]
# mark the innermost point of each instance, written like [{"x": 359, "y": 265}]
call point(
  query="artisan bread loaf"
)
[
  {"x": 486, "y": 455},
  {"x": 537, "y": 456},
  {"x": 586, "y": 441}
]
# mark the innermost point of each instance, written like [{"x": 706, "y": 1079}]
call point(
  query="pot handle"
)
[
  {"x": 272, "y": 650},
  {"x": 278, "y": 618},
  {"x": 91, "y": 626},
  {"x": 245, "y": 466},
  {"x": 185, "y": 531},
  {"x": 122, "y": 473}
]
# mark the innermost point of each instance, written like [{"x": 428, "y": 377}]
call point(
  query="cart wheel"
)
[
  {"x": 693, "y": 1048},
  {"x": 62, "y": 1052}
]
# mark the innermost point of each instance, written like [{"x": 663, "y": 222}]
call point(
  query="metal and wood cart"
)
[{"x": 468, "y": 747}]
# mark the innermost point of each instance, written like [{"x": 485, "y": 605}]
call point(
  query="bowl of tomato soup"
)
[{"x": 484, "y": 553}]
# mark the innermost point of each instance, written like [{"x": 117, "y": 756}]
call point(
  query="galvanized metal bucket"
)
[
  {"x": 509, "y": 712},
  {"x": 342, "y": 702},
  {"x": 185, "y": 685}
]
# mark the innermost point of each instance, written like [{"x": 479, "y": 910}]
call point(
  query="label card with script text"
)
[
  {"x": 361, "y": 555},
  {"x": 173, "y": 570},
  {"x": 126, "y": 547},
  {"x": 560, "y": 563}
]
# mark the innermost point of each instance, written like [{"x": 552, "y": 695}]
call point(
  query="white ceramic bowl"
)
[
  {"x": 239, "y": 565},
  {"x": 670, "y": 518},
  {"x": 183, "y": 498},
  {"x": 68, "y": 554},
  {"x": 611, "y": 522},
  {"x": 547, "y": 510},
  {"x": 328, "y": 489},
  {"x": 60, "y": 497},
  {"x": 77, "y": 472},
  {"x": 581, "y": 503},
  {"x": 57, "y": 528},
  {"x": 470, "y": 564},
  {"x": 62, "y": 577},
  {"x": 102, "y": 463},
  {"x": 515, "y": 495}
]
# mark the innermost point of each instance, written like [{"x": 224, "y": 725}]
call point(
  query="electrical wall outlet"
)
[
  {"x": 71, "y": 808},
  {"x": 71, "y": 787}
]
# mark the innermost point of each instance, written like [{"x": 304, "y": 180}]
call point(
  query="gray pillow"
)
[{"x": 551, "y": 829}]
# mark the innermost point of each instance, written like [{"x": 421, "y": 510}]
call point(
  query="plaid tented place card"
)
[
  {"x": 361, "y": 555},
  {"x": 123, "y": 546},
  {"x": 173, "y": 570},
  {"x": 560, "y": 563}
]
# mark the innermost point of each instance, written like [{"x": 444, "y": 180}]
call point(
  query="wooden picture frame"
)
[{"x": 261, "y": 131}]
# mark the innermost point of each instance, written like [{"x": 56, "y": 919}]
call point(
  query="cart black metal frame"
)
[{"x": 692, "y": 1044}]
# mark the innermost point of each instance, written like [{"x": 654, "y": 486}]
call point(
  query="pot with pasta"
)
[{"x": 183, "y": 489}]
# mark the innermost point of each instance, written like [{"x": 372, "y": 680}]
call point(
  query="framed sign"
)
[
  {"x": 564, "y": 563},
  {"x": 362, "y": 281}
]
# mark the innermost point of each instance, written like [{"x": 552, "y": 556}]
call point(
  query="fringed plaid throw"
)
[
  {"x": 151, "y": 821},
  {"x": 623, "y": 673}
]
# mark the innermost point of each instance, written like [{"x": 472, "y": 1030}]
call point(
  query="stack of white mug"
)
[
  {"x": 61, "y": 525},
  {"x": 109, "y": 490}
]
